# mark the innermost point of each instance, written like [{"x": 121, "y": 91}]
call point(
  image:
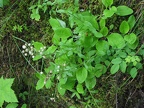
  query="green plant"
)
[
  {"x": 85, "y": 48},
  {"x": 44, "y": 6},
  {"x": 4, "y": 2},
  {"x": 6, "y": 93}
]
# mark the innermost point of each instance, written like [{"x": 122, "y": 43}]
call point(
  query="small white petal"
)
[
  {"x": 26, "y": 50},
  {"x": 24, "y": 47},
  {"x": 50, "y": 71},
  {"x": 58, "y": 66},
  {"x": 29, "y": 44},
  {"x": 41, "y": 72},
  {"x": 33, "y": 56},
  {"x": 23, "y": 51},
  {"x": 25, "y": 54}
]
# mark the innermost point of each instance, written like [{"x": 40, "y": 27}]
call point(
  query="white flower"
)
[
  {"x": 58, "y": 70},
  {"x": 25, "y": 54},
  {"x": 26, "y": 50},
  {"x": 24, "y": 46},
  {"x": 29, "y": 44},
  {"x": 33, "y": 56},
  {"x": 41, "y": 72},
  {"x": 50, "y": 71},
  {"x": 44, "y": 57},
  {"x": 30, "y": 52},
  {"x": 52, "y": 99},
  {"x": 31, "y": 48},
  {"x": 58, "y": 66},
  {"x": 23, "y": 51}
]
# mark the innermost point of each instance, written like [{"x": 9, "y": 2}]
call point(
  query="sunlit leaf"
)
[
  {"x": 124, "y": 10},
  {"x": 81, "y": 75},
  {"x": 114, "y": 68},
  {"x": 133, "y": 72},
  {"x": 124, "y": 27}
]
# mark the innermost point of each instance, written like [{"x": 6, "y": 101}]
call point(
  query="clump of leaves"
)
[
  {"x": 85, "y": 49},
  {"x": 6, "y": 93}
]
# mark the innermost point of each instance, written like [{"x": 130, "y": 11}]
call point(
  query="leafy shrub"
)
[{"x": 86, "y": 48}]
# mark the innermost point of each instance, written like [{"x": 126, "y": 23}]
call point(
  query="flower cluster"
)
[
  {"x": 42, "y": 49},
  {"x": 28, "y": 49}
]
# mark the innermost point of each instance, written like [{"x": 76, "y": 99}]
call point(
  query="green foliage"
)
[
  {"x": 124, "y": 10},
  {"x": 6, "y": 93},
  {"x": 4, "y": 2},
  {"x": 85, "y": 48},
  {"x": 12, "y": 105}
]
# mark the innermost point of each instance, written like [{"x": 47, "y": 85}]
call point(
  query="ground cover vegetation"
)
[{"x": 71, "y": 54}]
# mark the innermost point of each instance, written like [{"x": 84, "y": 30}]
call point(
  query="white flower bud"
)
[
  {"x": 25, "y": 54},
  {"x": 26, "y": 50},
  {"x": 41, "y": 72},
  {"x": 24, "y": 46},
  {"x": 29, "y": 44},
  {"x": 23, "y": 51}
]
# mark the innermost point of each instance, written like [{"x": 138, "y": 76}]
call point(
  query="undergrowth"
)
[{"x": 78, "y": 54}]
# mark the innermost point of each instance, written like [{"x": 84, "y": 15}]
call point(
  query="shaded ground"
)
[{"x": 13, "y": 64}]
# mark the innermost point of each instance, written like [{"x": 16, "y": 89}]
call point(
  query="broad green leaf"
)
[
  {"x": 40, "y": 84},
  {"x": 92, "y": 19},
  {"x": 54, "y": 23},
  {"x": 88, "y": 40},
  {"x": 102, "y": 23},
  {"x": 91, "y": 28},
  {"x": 104, "y": 31},
  {"x": 12, "y": 105},
  {"x": 81, "y": 75},
  {"x": 61, "y": 34},
  {"x": 113, "y": 8},
  {"x": 99, "y": 70},
  {"x": 61, "y": 90},
  {"x": 124, "y": 27},
  {"x": 133, "y": 72},
  {"x": 116, "y": 40},
  {"x": 116, "y": 61},
  {"x": 37, "y": 57},
  {"x": 114, "y": 68},
  {"x": 48, "y": 84},
  {"x": 24, "y": 106},
  {"x": 122, "y": 54},
  {"x": 102, "y": 46},
  {"x": 131, "y": 21},
  {"x": 80, "y": 89},
  {"x": 50, "y": 50},
  {"x": 107, "y": 3},
  {"x": 38, "y": 45},
  {"x": 124, "y": 10},
  {"x": 1, "y": 3},
  {"x": 108, "y": 13},
  {"x": 131, "y": 38},
  {"x": 134, "y": 45},
  {"x": 62, "y": 23},
  {"x": 69, "y": 85},
  {"x": 123, "y": 66},
  {"x": 6, "y": 93},
  {"x": 90, "y": 83}
]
